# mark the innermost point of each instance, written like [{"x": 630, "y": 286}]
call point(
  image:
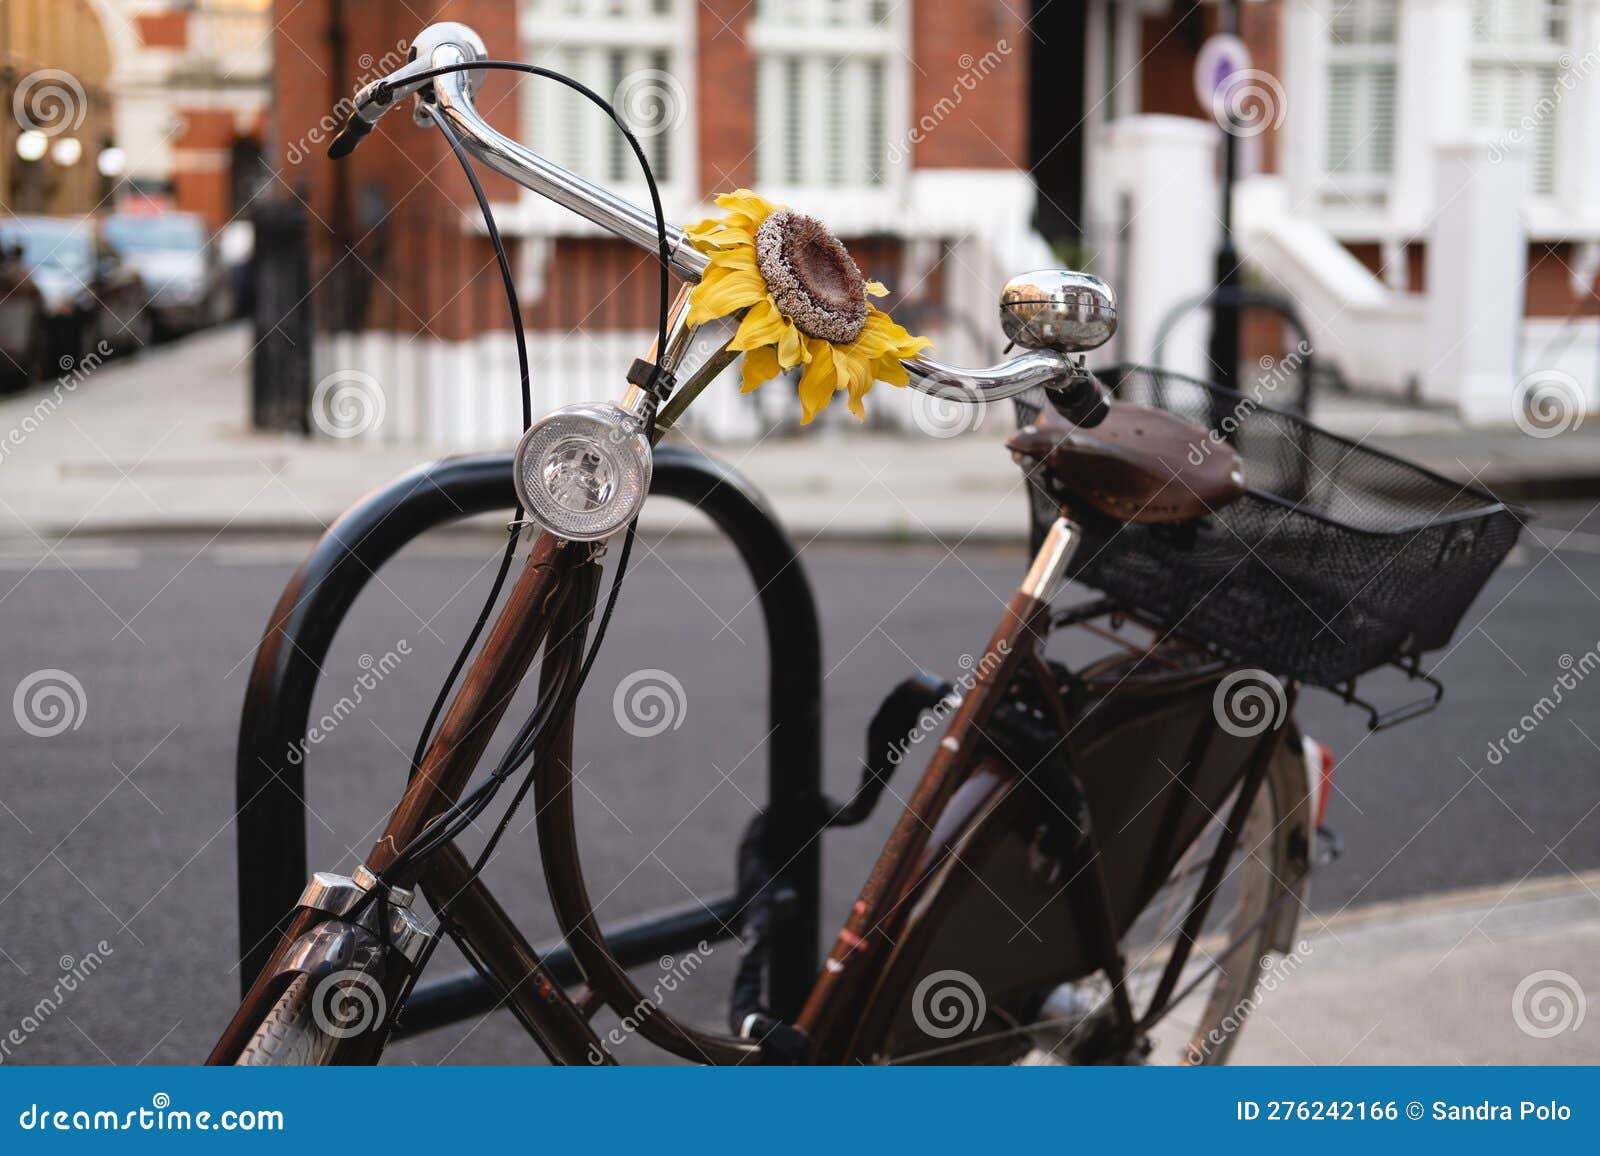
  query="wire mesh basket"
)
[{"x": 1338, "y": 559}]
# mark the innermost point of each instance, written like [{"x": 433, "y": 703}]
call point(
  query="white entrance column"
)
[
  {"x": 1477, "y": 260},
  {"x": 1156, "y": 199}
]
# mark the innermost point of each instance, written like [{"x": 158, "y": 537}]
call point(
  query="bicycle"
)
[{"x": 1155, "y": 815}]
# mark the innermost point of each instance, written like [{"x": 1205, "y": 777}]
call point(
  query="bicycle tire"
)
[
  {"x": 288, "y": 1036},
  {"x": 1270, "y": 862}
]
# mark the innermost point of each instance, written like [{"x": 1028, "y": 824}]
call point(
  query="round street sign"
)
[{"x": 1220, "y": 57}]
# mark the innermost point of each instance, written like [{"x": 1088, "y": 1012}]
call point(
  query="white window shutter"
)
[
  {"x": 822, "y": 91},
  {"x": 1518, "y": 48}
]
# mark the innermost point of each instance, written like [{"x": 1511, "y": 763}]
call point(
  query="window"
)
[
  {"x": 823, "y": 91},
  {"x": 1517, "y": 48},
  {"x": 1362, "y": 66},
  {"x": 633, "y": 53}
]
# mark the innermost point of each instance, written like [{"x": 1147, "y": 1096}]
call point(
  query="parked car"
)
[
  {"x": 189, "y": 285},
  {"x": 90, "y": 294},
  {"x": 24, "y": 349}
]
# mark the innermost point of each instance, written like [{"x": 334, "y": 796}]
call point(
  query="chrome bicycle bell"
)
[
  {"x": 582, "y": 471},
  {"x": 1058, "y": 309}
]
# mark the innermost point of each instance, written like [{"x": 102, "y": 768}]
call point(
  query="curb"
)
[
  {"x": 1522, "y": 488},
  {"x": 803, "y": 533}
]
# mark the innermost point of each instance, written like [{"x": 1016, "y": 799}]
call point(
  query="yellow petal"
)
[
  {"x": 745, "y": 201},
  {"x": 816, "y": 388},
  {"x": 791, "y": 350},
  {"x": 888, "y": 370},
  {"x": 760, "y": 365},
  {"x": 747, "y": 209},
  {"x": 881, "y": 335},
  {"x": 723, "y": 237},
  {"x": 720, "y": 296},
  {"x": 855, "y": 375},
  {"x": 729, "y": 264},
  {"x": 874, "y": 336},
  {"x": 740, "y": 259},
  {"x": 762, "y": 325}
]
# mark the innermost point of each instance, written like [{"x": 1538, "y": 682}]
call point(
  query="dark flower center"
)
[{"x": 812, "y": 279}]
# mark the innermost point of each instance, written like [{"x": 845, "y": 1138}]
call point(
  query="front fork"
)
[
  {"x": 452, "y": 756},
  {"x": 357, "y": 958}
]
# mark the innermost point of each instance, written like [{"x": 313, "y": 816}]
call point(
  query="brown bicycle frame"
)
[{"x": 550, "y": 605}]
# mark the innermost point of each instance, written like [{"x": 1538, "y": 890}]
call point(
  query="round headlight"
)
[{"x": 582, "y": 472}]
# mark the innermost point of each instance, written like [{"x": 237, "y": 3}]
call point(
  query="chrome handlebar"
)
[
  {"x": 444, "y": 45},
  {"x": 594, "y": 203}
]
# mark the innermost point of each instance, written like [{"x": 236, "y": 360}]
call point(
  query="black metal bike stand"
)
[{"x": 271, "y": 787}]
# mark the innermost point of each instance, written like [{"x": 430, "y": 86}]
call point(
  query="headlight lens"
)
[{"x": 582, "y": 472}]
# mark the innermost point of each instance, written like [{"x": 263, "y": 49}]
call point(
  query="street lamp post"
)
[{"x": 1224, "y": 349}]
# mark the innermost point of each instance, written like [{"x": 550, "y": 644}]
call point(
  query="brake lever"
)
[
  {"x": 379, "y": 96},
  {"x": 349, "y": 135}
]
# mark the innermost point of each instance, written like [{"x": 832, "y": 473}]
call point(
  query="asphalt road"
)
[{"x": 117, "y": 829}]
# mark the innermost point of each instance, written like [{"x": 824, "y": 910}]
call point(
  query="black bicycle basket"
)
[{"x": 1338, "y": 559}]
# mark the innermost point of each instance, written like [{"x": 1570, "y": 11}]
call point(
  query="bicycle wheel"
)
[{"x": 1237, "y": 948}]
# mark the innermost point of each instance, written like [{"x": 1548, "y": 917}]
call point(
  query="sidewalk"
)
[
  {"x": 159, "y": 443},
  {"x": 1487, "y": 976}
]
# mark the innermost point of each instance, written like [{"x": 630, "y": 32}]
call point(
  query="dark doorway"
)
[{"x": 1056, "y": 115}]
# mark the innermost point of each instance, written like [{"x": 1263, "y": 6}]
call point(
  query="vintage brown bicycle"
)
[{"x": 1149, "y": 819}]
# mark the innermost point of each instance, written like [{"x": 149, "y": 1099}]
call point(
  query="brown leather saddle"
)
[{"x": 1139, "y": 465}]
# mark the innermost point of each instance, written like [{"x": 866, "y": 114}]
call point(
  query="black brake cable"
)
[
  {"x": 664, "y": 253},
  {"x": 663, "y": 246},
  {"x": 554, "y": 707},
  {"x": 525, "y": 378}
]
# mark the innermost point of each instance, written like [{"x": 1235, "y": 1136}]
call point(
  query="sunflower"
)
[{"x": 804, "y": 303}]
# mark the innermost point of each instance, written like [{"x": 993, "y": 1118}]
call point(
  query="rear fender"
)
[{"x": 990, "y": 912}]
